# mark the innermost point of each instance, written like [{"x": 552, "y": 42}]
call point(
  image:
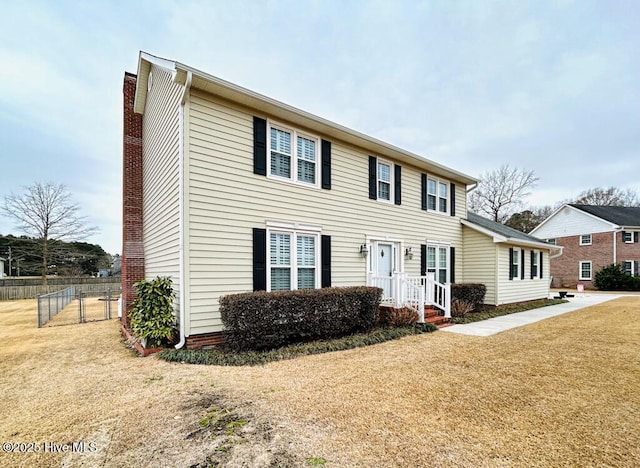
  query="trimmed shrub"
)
[
  {"x": 397, "y": 317},
  {"x": 264, "y": 320},
  {"x": 614, "y": 278},
  {"x": 472, "y": 293},
  {"x": 460, "y": 307}
]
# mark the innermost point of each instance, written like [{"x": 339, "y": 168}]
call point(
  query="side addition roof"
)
[{"x": 504, "y": 234}]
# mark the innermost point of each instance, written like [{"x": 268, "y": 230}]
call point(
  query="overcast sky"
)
[{"x": 551, "y": 86}]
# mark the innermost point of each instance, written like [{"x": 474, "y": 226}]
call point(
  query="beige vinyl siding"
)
[
  {"x": 518, "y": 290},
  {"x": 161, "y": 178},
  {"x": 479, "y": 262},
  {"x": 227, "y": 200}
]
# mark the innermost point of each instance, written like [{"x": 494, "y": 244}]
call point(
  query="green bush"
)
[
  {"x": 151, "y": 317},
  {"x": 614, "y": 278},
  {"x": 472, "y": 293},
  {"x": 264, "y": 320}
]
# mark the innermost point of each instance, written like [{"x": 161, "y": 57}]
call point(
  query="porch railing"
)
[{"x": 414, "y": 291}]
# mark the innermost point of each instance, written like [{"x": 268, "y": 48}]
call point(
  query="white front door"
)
[{"x": 384, "y": 268}]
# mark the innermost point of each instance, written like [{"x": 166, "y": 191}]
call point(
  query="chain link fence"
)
[
  {"x": 72, "y": 305},
  {"x": 50, "y": 304}
]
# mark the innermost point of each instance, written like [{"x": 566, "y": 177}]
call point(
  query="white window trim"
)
[
  {"x": 438, "y": 197},
  {"x": 518, "y": 254},
  {"x": 447, "y": 268},
  {"x": 536, "y": 275},
  {"x": 294, "y": 254},
  {"x": 580, "y": 270},
  {"x": 392, "y": 181},
  {"x": 631, "y": 263},
  {"x": 630, "y": 235},
  {"x": 294, "y": 155},
  {"x": 586, "y": 243}
]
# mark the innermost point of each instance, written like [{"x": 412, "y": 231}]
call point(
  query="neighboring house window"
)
[
  {"x": 293, "y": 156},
  {"x": 627, "y": 266},
  {"x": 551, "y": 241},
  {"x": 437, "y": 195},
  {"x": 627, "y": 237},
  {"x": 384, "y": 181},
  {"x": 438, "y": 262},
  {"x": 514, "y": 262},
  {"x": 585, "y": 270},
  {"x": 585, "y": 239},
  {"x": 293, "y": 260}
]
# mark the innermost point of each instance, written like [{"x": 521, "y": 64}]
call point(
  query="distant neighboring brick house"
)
[{"x": 593, "y": 237}]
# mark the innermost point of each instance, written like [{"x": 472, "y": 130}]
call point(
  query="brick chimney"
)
[{"x": 132, "y": 247}]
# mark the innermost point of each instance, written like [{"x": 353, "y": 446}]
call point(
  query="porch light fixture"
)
[
  {"x": 408, "y": 253},
  {"x": 364, "y": 251}
]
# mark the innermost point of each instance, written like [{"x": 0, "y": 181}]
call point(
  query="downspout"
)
[
  {"x": 615, "y": 247},
  {"x": 183, "y": 101}
]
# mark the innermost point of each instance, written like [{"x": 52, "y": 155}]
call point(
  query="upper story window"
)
[
  {"x": 551, "y": 241},
  {"x": 293, "y": 155},
  {"x": 437, "y": 195},
  {"x": 384, "y": 181},
  {"x": 627, "y": 237},
  {"x": 585, "y": 239}
]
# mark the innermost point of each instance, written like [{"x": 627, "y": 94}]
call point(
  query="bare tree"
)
[
  {"x": 47, "y": 212},
  {"x": 501, "y": 192},
  {"x": 610, "y": 196}
]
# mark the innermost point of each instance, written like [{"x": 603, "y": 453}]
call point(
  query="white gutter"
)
[
  {"x": 472, "y": 187},
  {"x": 183, "y": 100}
]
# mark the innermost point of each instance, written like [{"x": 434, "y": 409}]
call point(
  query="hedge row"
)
[
  {"x": 265, "y": 320},
  {"x": 470, "y": 292}
]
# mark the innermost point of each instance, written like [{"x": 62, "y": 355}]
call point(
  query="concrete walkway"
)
[{"x": 506, "y": 322}]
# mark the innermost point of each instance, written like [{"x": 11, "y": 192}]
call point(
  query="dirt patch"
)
[{"x": 563, "y": 391}]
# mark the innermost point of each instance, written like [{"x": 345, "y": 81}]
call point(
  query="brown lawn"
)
[{"x": 561, "y": 392}]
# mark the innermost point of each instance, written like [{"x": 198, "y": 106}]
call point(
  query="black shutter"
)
[
  {"x": 541, "y": 264},
  {"x": 510, "y": 263},
  {"x": 397, "y": 181},
  {"x": 326, "y": 164},
  {"x": 452, "y": 264},
  {"x": 635, "y": 237},
  {"x": 532, "y": 265},
  {"x": 453, "y": 200},
  {"x": 325, "y": 250},
  {"x": 373, "y": 178},
  {"x": 635, "y": 268},
  {"x": 423, "y": 260},
  {"x": 423, "y": 190},
  {"x": 522, "y": 266},
  {"x": 259, "y": 259},
  {"x": 259, "y": 146}
]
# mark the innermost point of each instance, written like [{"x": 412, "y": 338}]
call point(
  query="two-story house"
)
[
  {"x": 592, "y": 237},
  {"x": 228, "y": 191}
]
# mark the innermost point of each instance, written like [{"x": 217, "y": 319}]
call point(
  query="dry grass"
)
[{"x": 561, "y": 392}]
